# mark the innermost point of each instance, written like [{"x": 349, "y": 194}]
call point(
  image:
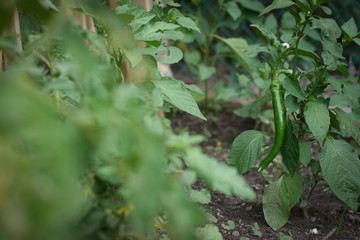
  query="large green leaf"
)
[
  {"x": 267, "y": 33},
  {"x": 348, "y": 125},
  {"x": 291, "y": 189},
  {"x": 318, "y": 119},
  {"x": 279, "y": 197},
  {"x": 223, "y": 178},
  {"x": 277, "y": 4},
  {"x": 245, "y": 150},
  {"x": 175, "y": 93},
  {"x": 276, "y": 212},
  {"x": 292, "y": 86},
  {"x": 290, "y": 149},
  {"x": 157, "y": 31},
  {"x": 341, "y": 167}
]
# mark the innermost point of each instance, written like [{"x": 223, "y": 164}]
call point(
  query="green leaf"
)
[
  {"x": 291, "y": 189},
  {"x": 239, "y": 46},
  {"x": 171, "y": 3},
  {"x": 357, "y": 41},
  {"x": 291, "y": 104},
  {"x": 347, "y": 124},
  {"x": 255, "y": 105},
  {"x": 305, "y": 153},
  {"x": 290, "y": 149},
  {"x": 193, "y": 57},
  {"x": 277, "y": 4},
  {"x": 205, "y": 72},
  {"x": 223, "y": 178},
  {"x": 210, "y": 232},
  {"x": 203, "y": 196},
  {"x": 175, "y": 55},
  {"x": 251, "y": 5},
  {"x": 157, "y": 31},
  {"x": 292, "y": 87},
  {"x": 186, "y": 22},
  {"x": 245, "y": 150},
  {"x": 268, "y": 34},
  {"x": 341, "y": 167},
  {"x": 230, "y": 225},
  {"x": 233, "y": 9},
  {"x": 279, "y": 197},
  {"x": 329, "y": 28},
  {"x": 326, "y": 10},
  {"x": 336, "y": 83},
  {"x": 139, "y": 17},
  {"x": 256, "y": 229},
  {"x": 175, "y": 93},
  {"x": 318, "y": 119},
  {"x": 350, "y": 29},
  {"x": 276, "y": 212},
  {"x": 283, "y": 236},
  {"x": 271, "y": 23}
]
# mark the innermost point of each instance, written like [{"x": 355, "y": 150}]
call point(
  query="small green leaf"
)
[
  {"x": 290, "y": 149},
  {"x": 233, "y": 9},
  {"x": 336, "y": 83},
  {"x": 203, "y": 196},
  {"x": 305, "y": 153},
  {"x": 283, "y": 236},
  {"x": 255, "y": 105},
  {"x": 341, "y": 167},
  {"x": 318, "y": 119},
  {"x": 186, "y": 22},
  {"x": 205, "y": 72},
  {"x": 269, "y": 35},
  {"x": 292, "y": 87},
  {"x": 171, "y": 3},
  {"x": 210, "y": 231},
  {"x": 350, "y": 29},
  {"x": 326, "y": 10},
  {"x": 256, "y": 229},
  {"x": 175, "y": 55},
  {"x": 256, "y": 6},
  {"x": 193, "y": 57},
  {"x": 347, "y": 124},
  {"x": 175, "y": 93},
  {"x": 245, "y": 150},
  {"x": 239, "y": 46},
  {"x": 230, "y": 225},
  {"x": 277, "y": 4}
]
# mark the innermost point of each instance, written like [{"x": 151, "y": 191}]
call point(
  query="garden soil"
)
[{"x": 319, "y": 220}]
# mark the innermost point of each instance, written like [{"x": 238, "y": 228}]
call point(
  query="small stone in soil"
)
[{"x": 236, "y": 233}]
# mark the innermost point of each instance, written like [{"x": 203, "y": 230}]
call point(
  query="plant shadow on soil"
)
[{"x": 323, "y": 212}]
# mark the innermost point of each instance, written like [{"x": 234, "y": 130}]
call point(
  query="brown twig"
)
[{"x": 330, "y": 234}]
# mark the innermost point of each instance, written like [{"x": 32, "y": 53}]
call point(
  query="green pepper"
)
[{"x": 280, "y": 119}]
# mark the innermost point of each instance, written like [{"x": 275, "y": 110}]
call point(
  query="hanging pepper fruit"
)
[{"x": 279, "y": 116}]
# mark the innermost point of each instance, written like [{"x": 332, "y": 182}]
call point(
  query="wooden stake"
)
[
  {"x": 147, "y": 4},
  {"x": 1, "y": 61},
  {"x": 113, "y": 4},
  {"x": 16, "y": 27}
]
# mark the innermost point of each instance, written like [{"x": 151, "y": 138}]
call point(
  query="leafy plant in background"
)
[
  {"x": 202, "y": 58},
  {"x": 316, "y": 86},
  {"x": 84, "y": 153}
]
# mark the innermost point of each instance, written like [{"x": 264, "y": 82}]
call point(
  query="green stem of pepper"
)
[{"x": 279, "y": 116}]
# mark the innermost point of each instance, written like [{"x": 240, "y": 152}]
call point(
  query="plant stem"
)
[
  {"x": 297, "y": 44},
  {"x": 341, "y": 221}
]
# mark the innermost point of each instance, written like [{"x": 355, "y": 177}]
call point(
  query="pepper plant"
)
[
  {"x": 310, "y": 88},
  {"x": 84, "y": 152}
]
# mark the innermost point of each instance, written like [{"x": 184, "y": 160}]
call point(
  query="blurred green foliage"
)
[{"x": 84, "y": 154}]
